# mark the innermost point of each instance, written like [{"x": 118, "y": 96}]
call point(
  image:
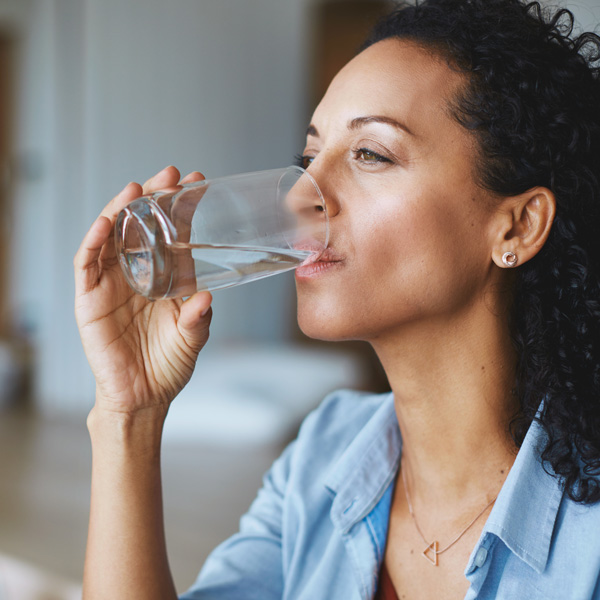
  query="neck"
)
[{"x": 452, "y": 383}]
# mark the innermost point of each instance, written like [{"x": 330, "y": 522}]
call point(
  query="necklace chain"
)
[{"x": 433, "y": 546}]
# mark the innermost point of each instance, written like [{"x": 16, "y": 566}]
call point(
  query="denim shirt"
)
[{"x": 317, "y": 529}]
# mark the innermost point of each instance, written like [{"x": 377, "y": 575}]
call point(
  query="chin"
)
[
  {"x": 331, "y": 315},
  {"x": 328, "y": 326},
  {"x": 315, "y": 324}
]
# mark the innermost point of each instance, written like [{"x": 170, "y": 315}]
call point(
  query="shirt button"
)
[{"x": 480, "y": 557}]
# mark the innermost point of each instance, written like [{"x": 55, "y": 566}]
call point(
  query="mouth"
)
[{"x": 328, "y": 260}]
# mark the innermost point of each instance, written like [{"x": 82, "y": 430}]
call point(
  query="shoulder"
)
[
  {"x": 325, "y": 435},
  {"x": 573, "y": 567},
  {"x": 348, "y": 406},
  {"x": 334, "y": 438},
  {"x": 336, "y": 422},
  {"x": 543, "y": 528},
  {"x": 579, "y": 524}
]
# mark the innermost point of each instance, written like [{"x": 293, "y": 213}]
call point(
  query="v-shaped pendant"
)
[{"x": 432, "y": 550}]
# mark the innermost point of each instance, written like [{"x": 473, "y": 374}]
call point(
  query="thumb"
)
[{"x": 193, "y": 324}]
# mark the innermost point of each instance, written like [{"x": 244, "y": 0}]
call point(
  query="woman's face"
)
[{"x": 410, "y": 230}]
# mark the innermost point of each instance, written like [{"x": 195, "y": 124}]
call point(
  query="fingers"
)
[
  {"x": 194, "y": 320},
  {"x": 166, "y": 178},
  {"x": 87, "y": 267},
  {"x": 129, "y": 193},
  {"x": 193, "y": 177},
  {"x": 86, "y": 262}
]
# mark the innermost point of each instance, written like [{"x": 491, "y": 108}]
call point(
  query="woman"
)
[{"x": 459, "y": 156}]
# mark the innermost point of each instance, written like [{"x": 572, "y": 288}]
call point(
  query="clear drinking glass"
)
[{"x": 223, "y": 232}]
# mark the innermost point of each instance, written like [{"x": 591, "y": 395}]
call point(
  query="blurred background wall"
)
[
  {"x": 112, "y": 91},
  {"x": 108, "y": 91}
]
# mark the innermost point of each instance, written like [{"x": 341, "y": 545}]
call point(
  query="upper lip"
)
[
  {"x": 327, "y": 255},
  {"x": 330, "y": 255}
]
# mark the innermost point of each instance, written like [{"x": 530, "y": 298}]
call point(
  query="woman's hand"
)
[{"x": 141, "y": 352}]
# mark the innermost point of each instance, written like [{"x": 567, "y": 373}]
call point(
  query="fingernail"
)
[{"x": 205, "y": 311}]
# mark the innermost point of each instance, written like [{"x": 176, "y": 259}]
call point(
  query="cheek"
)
[
  {"x": 420, "y": 234},
  {"x": 397, "y": 242},
  {"x": 406, "y": 260},
  {"x": 419, "y": 257}
]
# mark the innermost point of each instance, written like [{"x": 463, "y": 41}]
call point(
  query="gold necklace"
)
[{"x": 431, "y": 552}]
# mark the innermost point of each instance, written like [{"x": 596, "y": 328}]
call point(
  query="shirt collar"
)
[
  {"x": 525, "y": 511},
  {"x": 366, "y": 468}
]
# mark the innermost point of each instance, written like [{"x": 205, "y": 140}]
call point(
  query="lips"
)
[{"x": 328, "y": 260}]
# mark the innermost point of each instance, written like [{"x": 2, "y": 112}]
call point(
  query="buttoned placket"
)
[
  {"x": 479, "y": 565},
  {"x": 362, "y": 484}
]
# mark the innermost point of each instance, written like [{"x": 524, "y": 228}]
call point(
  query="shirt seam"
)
[
  {"x": 355, "y": 556},
  {"x": 378, "y": 549},
  {"x": 506, "y": 535}
]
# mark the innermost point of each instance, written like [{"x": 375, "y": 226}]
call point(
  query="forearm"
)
[{"x": 126, "y": 553}]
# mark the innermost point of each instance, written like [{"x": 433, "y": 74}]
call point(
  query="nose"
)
[
  {"x": 302, "y": 194},
  {"x": 305, "y": 211},
  {"x": 325, "y": 184}
]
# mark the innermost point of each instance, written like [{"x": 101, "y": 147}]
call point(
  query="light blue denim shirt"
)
[{"x": 317, "y": 529}]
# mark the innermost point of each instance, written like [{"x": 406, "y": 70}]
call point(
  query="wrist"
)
[{"x": 138, "y": 432}]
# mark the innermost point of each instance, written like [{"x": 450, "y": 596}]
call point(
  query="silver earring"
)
[{"x": 510, "y": 259}]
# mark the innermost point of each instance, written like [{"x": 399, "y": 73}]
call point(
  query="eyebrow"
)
[{"x": 358, "y": 122}]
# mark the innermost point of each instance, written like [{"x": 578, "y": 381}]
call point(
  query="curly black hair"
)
[{"x": 532, "y": 99}]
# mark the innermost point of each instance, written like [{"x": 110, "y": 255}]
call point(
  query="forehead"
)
[{"x": 394, "y": 78}]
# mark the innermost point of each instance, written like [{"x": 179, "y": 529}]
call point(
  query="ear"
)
[{"x": 525, "y": 223}]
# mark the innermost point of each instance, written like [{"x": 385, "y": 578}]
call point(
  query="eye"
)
[
  {"x": 369, "y": 156},
  {"x": 301, "y": 160}
]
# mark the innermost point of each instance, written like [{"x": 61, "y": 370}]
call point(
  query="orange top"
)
[{"x": 385, "y": 589}]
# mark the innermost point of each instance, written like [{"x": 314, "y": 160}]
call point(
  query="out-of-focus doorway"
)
[
  {"x": 6, "y": 138},
  {"x": 341, "y": 27}
]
